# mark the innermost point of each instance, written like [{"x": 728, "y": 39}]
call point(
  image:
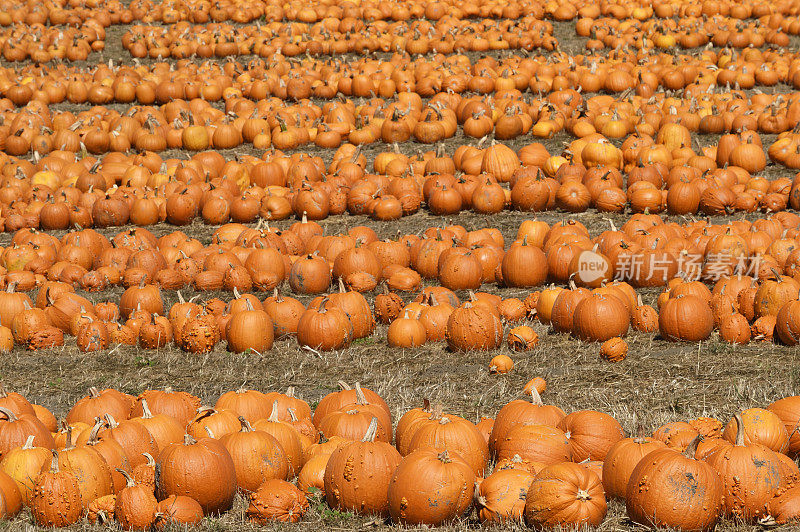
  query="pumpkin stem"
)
[
  {"x": 188, "y": 440},
  {"x": 343, "y": 385},
  {"x": 289, "y": 391},
  {"x": 277, "y": 295},
  {"x": 372, "y": 430},
  {"x": 9, "y": 414},
  {"x": 246, "y": 427},
  {"x": 292, "y": 415},
  {"x": 536, "y": 399},
  {"x": 342, "y": 289},
  {"x": 3, "y": 392},
  {"x": 146, "y": 413},
  {"x": 583, "y": 495},
  {"x": 29, "y": 443},
  {"x": 210, "y": 433},
  {"x": 691, "y": 450},
  {"x": 94, "y": 393},
  {"x": 361, "y": 399},
  {"x": 273, "y": 415},
  {"x": 443, "y": 457},
  {"x": 112, "y": 423},
  {"x": 54, "y": 462},
  {"x": 151, "y": 462},
  {"x": 129, "y": 483},
  {"x": 739, "y": 430}
]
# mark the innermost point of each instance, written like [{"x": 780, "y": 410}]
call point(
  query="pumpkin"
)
[
  {"x": 501, "y": 364},
  {"x": 620, "y": 461},
  {"x": 750, "y": 475},
  {"x": 430, "y": 487},
  {"x": 598, "y": 318},
  {"x": 614, "y": 350},
  {"x": 200, "y": 469},
  {"x": 250, "y": 329},
  {"x": 501, "y": 496},
  {"x": 455, "y": 434},
  {"x": 56, "y": 497},
  {"x": 325, "y": 329},
  {"x": 758, "y": 425},
  {"x": 180, "y": 406},
  {"x": 250, "y": 404},
  {"x": 357, "y": 474},
  {"x": 672, "y": 489},
  {"x": 685, "y": 318},
  {"x": 163, "y": 428},
  {"x": 471, "y": 327},
  {"x": 135, "y": 507},
  {"x": 783, "y": 508},
  {"x": 788, "y": 410},
  {"x": 99, "y": 403},
  {"x": 518, "y": 412},
  {"x": 591, "y": 434},
  {"x": 535, "y": 443},
  {"x": 277, "y": 500},
  {"x": 524, "y": 265},
  {"x": 257, "y": 456},
  {"x": 178, "y": 510},
  {"x": 566, "y": 495},
  {"x": 24, "y": 464}
]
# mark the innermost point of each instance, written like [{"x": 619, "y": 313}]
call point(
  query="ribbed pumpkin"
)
[
  {"x": 250, "y": 329},
  {"x": 455, "y": 434},
  {"x": 672, "y": 489},
  {"x": 600, "y": 317},
  {"x": 430, "y": 487},
  {"x": 256, "y": 455},
  {"x": 202, "y": 470},
  {"x": 357, "y": 475},
  {"x": 56, "y": 497},
  {"x": 535, "y": 443},
  {"x": 685, "y": 318},
  {"x": 750, "y": 475},
  {"x": 521, "y": 411},
  {"x": 24, "y": 464},
  {"x": 591, "y": 434},
  {"x": 501, "y": 496},
  {"x": 620, "y": 461},
  {"x": 567, "y": 495},
  {"x": 758, "y": 426},
  {"x": 135, "y": 507},
  {"x": 471, "y": 327}
]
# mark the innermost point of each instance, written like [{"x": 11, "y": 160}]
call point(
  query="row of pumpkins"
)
[
  {"x": 60, "y": 191},
  {"x": 601, "y": 302},
  {"x": 161, "y": 458}
]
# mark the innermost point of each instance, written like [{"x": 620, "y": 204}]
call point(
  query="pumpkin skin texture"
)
[
  {"x": 501, "y": 496},
  {"x": 567, "y": 495},
  {"x": 600, "y": 317},
  {"x": 472, "y": 327},
  {"x": 518, "y": 412},
  {"x": 56, "y": 498},
  {"x": 535, "y": 443},
  {"x": 685, "y": 318},
  {"x": 760, "y": 426},
  {"x": 669, "y": 489},
  {"x": 455, "y": 434},
  {"x": 135, "y": 507},
  {"x": 620, "y": 461},
  {"x": 357, "y": 475},
  {"x": 430, "y": 488},
  {"x": 23, "y": 465},
  {"x": 178, "y": 510},
  {"x": 277, "y": 500},
  {"x": 788, "y": 410},
  {"x": 257, "y": 457},
  {"x": 591, "y": 434},
  {"x": 750, "y": 475},
  {"x": 202, "y": 470},
  {"x": 783, "y": 508}
]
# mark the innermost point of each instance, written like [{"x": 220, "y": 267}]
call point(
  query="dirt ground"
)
[{"x": 659, "y": 382}]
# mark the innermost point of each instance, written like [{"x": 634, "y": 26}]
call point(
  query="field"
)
[{"x": 659, "y": 381}]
